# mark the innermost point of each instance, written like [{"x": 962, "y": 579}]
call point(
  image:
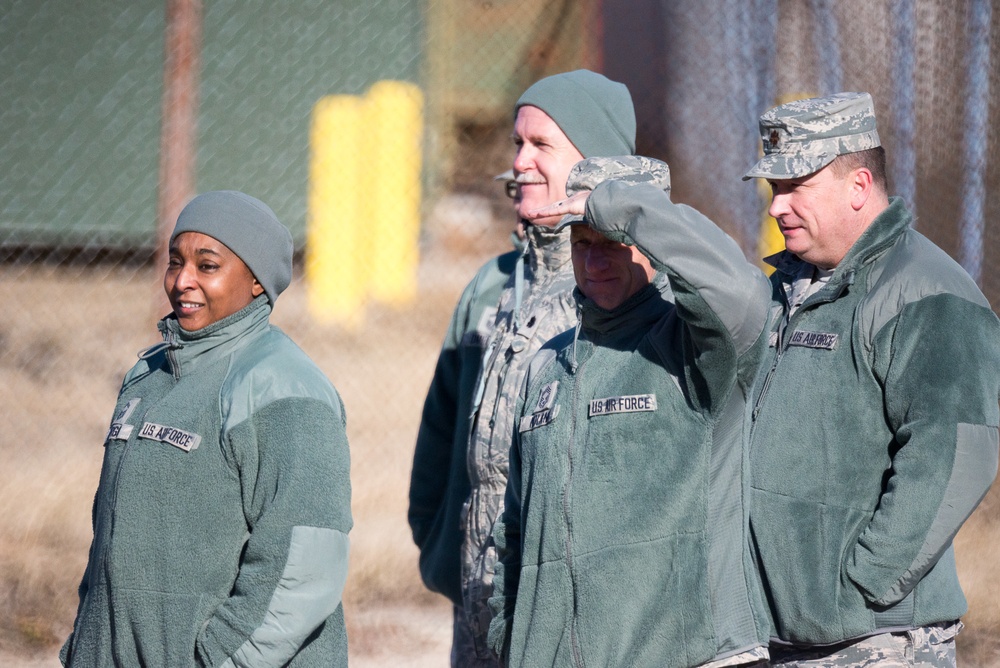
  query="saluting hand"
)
[{"x": 575, "y": 205}]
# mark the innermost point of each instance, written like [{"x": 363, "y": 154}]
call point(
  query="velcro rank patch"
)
[
  {"x": 547, "y": 396},
  {"x": 635, "y": 403},
  {"x": 185, "y": 440},
  {"x": 118, "y": 430},
  {"x": 820, "y": 340}
]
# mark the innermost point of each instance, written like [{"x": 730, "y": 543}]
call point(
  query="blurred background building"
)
[{"x": 83, "y": 100}]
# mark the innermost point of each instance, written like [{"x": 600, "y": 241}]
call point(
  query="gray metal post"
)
[
  {"x": 977, "y": 111},
  {"x": 178, "y": 140},
  {"x": 904, "y": 153}
]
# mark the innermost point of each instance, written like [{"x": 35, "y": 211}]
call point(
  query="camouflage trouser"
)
[
  {"x": 927, "y": 646},
  {"x": 463, "y": 645},
  {"x": 753, "y": 658}
]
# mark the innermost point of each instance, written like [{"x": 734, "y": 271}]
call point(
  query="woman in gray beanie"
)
[{"x": 223, "y": 508}]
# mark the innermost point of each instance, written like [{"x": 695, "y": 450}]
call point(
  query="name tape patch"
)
[
  {"x": 119, "y": 432},
  {"x": 185, "y": 440},
  {"x": 539, "y": 419},
  {"x": 634, "y": 403},
  {"x": 820, "y": 340}
]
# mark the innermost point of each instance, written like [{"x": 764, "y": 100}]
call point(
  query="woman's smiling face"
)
[{"x": 205, "y": 281}]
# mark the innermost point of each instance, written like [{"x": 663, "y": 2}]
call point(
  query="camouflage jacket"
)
[{"x": 525, "y": 321}]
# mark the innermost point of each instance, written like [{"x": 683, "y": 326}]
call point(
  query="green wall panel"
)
[{"x": 80, "y": 95}]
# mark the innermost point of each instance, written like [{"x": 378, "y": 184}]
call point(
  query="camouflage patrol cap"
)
[
  {"x": 629, "y": 169},
  {"x": 802, "y": 137}
]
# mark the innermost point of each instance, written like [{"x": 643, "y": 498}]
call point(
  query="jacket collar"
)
[
  {"x": 637, "y": 313},
  {"x": 188, "y": 351},
  {"x": 547, "y": 249}
]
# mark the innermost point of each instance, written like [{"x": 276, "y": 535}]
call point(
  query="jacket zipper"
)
[
  {"x": 810, "y": 303},
  {"x": 779, "y": 350},
  {"x": 501, "y": 377},
  {"x": 574, "y": 640},
  {"x": 763, "y": 390},
  {"x": 107, "y": 563},
  {"x": 477, "y": 400},
  {"x": 172, "y": 359}
]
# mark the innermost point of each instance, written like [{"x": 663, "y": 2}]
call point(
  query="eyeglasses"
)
[{"x": 511, "y": 189}]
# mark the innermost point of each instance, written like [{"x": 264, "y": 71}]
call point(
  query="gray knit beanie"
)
[
  {"x": 594, "y": 112},
  {"x": 247, "y": 227}
]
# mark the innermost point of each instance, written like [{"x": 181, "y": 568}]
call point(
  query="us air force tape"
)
[
  {"x": 635, "y": 403},
  {"x": 185, "y": 440}
]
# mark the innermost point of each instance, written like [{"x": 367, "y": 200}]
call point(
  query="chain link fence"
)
[{"x": 80, "y": 149}]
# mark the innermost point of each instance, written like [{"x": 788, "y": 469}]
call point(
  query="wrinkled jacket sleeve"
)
[
  {"x": 82, "y": 590},
  {"x": 293, "y": 462},
  {"x": 939, "y": 362},
  {"x": 433, "y": 470},
  {"x": 723, "y": 298}
]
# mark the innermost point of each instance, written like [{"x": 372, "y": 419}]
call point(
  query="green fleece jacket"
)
[
  {"x": 874, "y": 437},
  {"x": 622, "y": 540},
  {"x": 439, "y": 481},
  {"x": 222, "y": 513}
]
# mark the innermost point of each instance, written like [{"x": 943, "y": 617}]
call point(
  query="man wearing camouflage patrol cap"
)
[
  {"x": 622, "y": 537},
  {"x": 873, "y": 428}
]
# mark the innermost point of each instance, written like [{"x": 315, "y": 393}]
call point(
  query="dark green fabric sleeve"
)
[
  {"x": 706, "y": 267},
  {"x": 939, "y": 362},
  {"x": 294, "y": 467},
  {"x": 439, "y": 479},
  {"x": 723, "y": 298},
  {"x": 432, "y": 469}
]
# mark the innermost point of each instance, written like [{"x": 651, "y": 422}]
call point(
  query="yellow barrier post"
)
[
  {"x": 334, "y": 266},
  {"x": 392, "y": 192}
]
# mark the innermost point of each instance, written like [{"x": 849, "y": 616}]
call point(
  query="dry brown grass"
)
[
  {"x": 69, "y": 334},
  {"x": 976, "y": 550}
]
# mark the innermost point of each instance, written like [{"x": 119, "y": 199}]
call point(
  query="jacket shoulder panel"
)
[
  {"x": 482, "y": 294},
  {"x": 271, "y": 368},
  {"x": 913, "y": 269},
  {"x": 143, "y": 367}
]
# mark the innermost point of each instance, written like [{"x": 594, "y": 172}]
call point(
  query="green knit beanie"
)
[
  {"x": 247, "y": 227},
  {"x": 595, "y": 113}
]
